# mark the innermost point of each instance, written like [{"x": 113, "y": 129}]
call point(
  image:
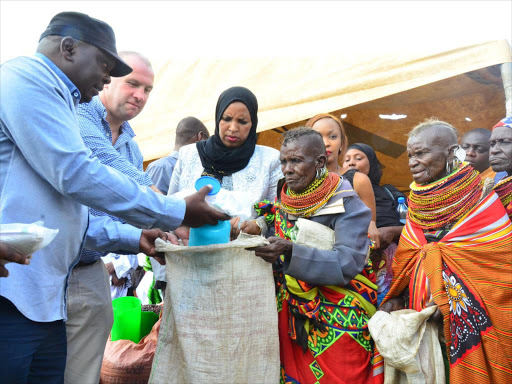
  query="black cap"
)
[{"x": 89, "y": 30}]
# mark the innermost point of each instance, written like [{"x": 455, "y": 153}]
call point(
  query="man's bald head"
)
[
  {"x": 476, "y": 145},
  {"x": 189, "y": 131}
]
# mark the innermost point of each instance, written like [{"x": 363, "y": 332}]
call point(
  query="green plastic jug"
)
[
  {"x": 127, "y": 319},
  {"x": 147, "y": 321}
]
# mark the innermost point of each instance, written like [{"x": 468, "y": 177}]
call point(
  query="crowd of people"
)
[{"x": 68, "y": 158}]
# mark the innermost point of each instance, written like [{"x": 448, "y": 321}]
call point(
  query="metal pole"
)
[{"x": 506, "y": 77}]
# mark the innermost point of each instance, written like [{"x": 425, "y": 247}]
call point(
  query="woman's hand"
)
[
  {"x": 181, "y": 233},
  {"x": 392, "y": 305},
  {"x": 374, "y": 234},
  {"x": 437, "y": 316},
  {"x": 235, "y": 229},
  {"x": 388, "y": 235},
  {"x": 276, "y": 248},
  {"x": 250, "y": 227}
]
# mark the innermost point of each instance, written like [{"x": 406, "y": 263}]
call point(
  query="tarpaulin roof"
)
[{"x": 291, "y": 90}]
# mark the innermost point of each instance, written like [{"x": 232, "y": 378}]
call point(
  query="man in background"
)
[
  {"x": 189, "y": 130},
  {"x": 476, "y": 145}
]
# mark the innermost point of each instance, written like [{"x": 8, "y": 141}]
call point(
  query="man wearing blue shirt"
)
[
  {"x": 189, "y": 130},
  {"x": 105, "y": 129},
  {"x": 47, "y": 174}
]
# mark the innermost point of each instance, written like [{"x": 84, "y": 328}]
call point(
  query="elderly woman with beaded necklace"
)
[
  {"x": 454, "y": 252},
  {"x": 326, "y": 292}
]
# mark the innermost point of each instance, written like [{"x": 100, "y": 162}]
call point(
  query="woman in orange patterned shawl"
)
[{"x": 455, "y": 251}]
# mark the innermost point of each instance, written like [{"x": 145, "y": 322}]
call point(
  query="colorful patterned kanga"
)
[
  {"x": 469, "y": 275},
  {"x": 323, "y": 330}
]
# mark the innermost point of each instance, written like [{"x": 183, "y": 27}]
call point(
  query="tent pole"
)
[{"x": 506, "y": 77}]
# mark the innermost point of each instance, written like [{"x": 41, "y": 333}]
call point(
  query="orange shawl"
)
[{"x": 470, "y": 278}]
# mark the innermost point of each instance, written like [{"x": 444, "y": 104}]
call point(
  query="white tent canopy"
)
[{"x": 293, "y": 89}]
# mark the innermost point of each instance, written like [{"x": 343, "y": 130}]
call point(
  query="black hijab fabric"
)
[
  {"x": 217, "y": 159},
  {"x": 375, "y": 167},
  {"x": 385, "y": 196}
]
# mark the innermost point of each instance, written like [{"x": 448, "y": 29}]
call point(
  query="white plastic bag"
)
[
  {"x": 233, "y": 203},
  {"x": 26, "y": 238}
]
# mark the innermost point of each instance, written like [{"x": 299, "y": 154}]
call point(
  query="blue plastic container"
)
[
  {"x": 208, "y": 180},
  {"x": 210, "y": 234}
]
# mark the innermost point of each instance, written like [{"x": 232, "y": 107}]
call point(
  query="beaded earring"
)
[
  {"x": 449, "y": 167},
  {"x": 452, "y": 165},
  {"x": 320, "y": 173}
]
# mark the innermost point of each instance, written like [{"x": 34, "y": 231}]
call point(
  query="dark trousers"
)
[{"x": 30, "y": 351}]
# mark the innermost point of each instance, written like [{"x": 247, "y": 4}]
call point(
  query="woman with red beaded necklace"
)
[
  {"x": 326, "y": 292},
  {"x": 335, "y": 141},
  {"x": 454, "y": 252}
]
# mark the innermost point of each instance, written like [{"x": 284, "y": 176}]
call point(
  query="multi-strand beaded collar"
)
[
  {"x": 446, "y": 200},
  {"x": 312, "y": 199},
  {"x": 504, "y": 190}
]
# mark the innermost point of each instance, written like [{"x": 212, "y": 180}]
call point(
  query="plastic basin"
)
[{"x": 210, "y": 234}]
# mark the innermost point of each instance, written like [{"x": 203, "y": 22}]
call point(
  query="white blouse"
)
[{"x": 259, "y": 178}]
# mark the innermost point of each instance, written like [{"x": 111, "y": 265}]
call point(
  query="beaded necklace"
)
[
  {"x": 312, "y": 199},
  {"x": 446, "y": 200},
  {"x": 504, "y": 190}
]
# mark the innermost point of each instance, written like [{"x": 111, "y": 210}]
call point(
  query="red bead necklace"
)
[{"x": 312, "y": 199}]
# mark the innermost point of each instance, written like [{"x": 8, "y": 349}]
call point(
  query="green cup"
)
[
  {"x": 127, "y": 316},
  {"x": 147, "y": 321}
]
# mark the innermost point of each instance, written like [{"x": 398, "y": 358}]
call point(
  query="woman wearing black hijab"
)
[
  {"x": 362, "y": 158},
  {"x": 231, "y": 154}
]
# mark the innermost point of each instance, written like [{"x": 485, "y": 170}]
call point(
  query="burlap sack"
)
[
  {"x": 126, "y": 362},
  {"x": 410, "y": 346},
  {"x": 219, "y": 323}
]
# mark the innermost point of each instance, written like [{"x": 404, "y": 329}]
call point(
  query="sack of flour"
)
[{"x": 219, "y": 323}]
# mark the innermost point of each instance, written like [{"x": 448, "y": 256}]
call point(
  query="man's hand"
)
[
  {"x": 198, "y": 211},
  {"x": 116, "y": 281},
  {"x": 271, "y": 252},
  {"x": 9, "y": 254},
  {"x": 110, "y": 268},
  {"x": 147, "y": 243}
]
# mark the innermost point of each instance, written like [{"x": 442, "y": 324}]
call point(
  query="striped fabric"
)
[{"x": 470, "y": 277}]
